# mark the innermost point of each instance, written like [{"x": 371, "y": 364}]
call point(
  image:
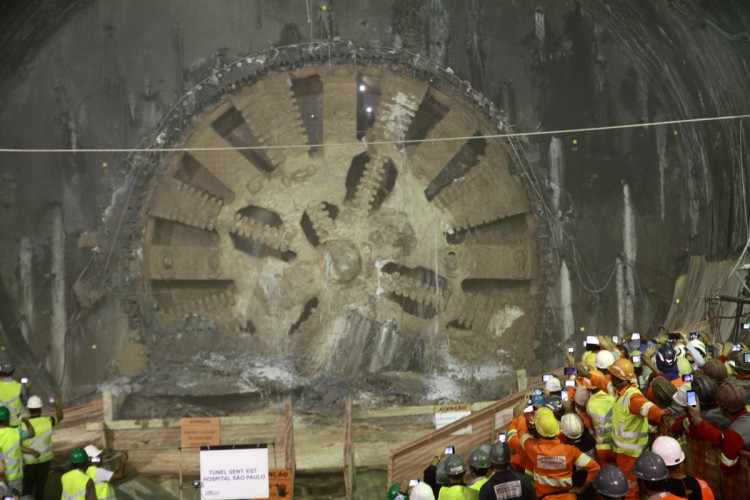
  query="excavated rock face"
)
[{"x": 355, "y": 255}]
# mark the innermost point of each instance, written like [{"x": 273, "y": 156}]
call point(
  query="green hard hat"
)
[
  {"x": 479, "y": 459},
  {"x": 78, "y": 456},
  {"x": 455, "y": 465},
  {"x": 441, "y": 473},
  {"x": 4, "y": 414},
  {"x": 394, "y": 492}
]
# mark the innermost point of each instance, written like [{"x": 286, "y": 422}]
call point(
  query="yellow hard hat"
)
[{"x": 546, "y": 423}]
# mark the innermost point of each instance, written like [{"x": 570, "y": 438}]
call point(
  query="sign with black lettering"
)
[{"x": 234, "y": 474}]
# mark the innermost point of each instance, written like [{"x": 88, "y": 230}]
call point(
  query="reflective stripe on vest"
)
[
  {"x": 74, "y": 485},
  {"x": 10, "y": 448},
  {"x": 104, "y": 490},
  {"x": 41, "y": 442},
  {"x": 10, "y": 397},
  {"x": 599, "y": 408},
  {"x": 629, "y": 432},
  {"x": 555, "y": 482}
]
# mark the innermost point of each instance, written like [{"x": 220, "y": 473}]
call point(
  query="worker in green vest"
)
[
  {"x": 36, "y": 469},
  {"x": 12, "y": 450},
  {"x": 456, "y": 488},
  {"x": 103, "y": 477},
  {"x": 76, "y": 484},
  {"x": 479, "y": 465},
  {"x": 12, "y": 393}
]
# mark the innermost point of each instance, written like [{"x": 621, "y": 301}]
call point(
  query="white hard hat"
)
[
  {"x": 34, "y": 403},
  {"x": 553, "y": 385},
  {"x": 422, "y": 491},
  {"x": 604, "y": 359},
  {"x": 669, "y": 450},
  {"x": 92, "y": 451},
  {"x": 571, "y": 425}
]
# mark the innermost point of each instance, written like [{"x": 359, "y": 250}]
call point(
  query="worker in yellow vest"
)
[
  {"x": 76, "y": 484},
  {"x": 12, "y": 450},
  {"x": 12, "y": 393},
  {"x": 479, "y": 465},
  {"x": 36, "y": 469},
  {"x": 101, "y": 476}
]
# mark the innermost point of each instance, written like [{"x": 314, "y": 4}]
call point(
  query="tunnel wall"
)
[{"x": 624, "y": 209}]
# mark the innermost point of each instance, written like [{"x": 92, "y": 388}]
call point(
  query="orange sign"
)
[
  {"x": 197, "y": 432},
  {"x": 280, "y": 484}
]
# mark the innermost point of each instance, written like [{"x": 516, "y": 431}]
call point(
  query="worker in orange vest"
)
[
  {"x": 554, "y": 461},
  {"x": 679, "y": 483},
  {"x": 520, "y": 425}
]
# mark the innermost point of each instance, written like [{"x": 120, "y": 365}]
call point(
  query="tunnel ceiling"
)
[{"x": 349, "y": 251}]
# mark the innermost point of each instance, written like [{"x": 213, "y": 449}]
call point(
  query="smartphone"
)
[
  {"x": 413, "y": 483},
  {"x": 570, "y": 383},
  {"x": 571, "y": 350},
  {"x": 746, "y": 326},
  {"x": 529, "y": 409},
  {"x": 735, "y": 348},
  {"x": 501, "y": 437},
  {"x": 687, "y": 378},
  {"x": 564, "y": 395},
  {"x": 450, "y": 450},
  {"x": 616, "y": 339},
  {"x": 636, "y": 360},
  {"x": 693, "y": 336},
  {"x": 746, "y": 357},
  {"x": 692, "y": 399},
  {"x": 591, "y": 339},
  {"x": 546, "y": 377},
  {"x": 635, "y": 336},
  {"x": 569, "y": 370},
  {"x": 24, "y": 380},
  {"x": 96, "y": 460}
]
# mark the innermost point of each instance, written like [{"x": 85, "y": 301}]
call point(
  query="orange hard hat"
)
[{"x": 622, "y": 369}]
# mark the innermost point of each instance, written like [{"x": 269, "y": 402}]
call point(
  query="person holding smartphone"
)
[{"x": 731, "y": 399}]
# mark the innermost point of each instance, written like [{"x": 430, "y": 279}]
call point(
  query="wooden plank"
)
[{"x": 348, "y": 453}]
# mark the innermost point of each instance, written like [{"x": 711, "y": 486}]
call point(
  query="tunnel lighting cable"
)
[{"x": 507, "y": 135}]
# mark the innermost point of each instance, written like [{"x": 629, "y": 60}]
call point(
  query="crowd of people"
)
[
  {"x": 26, "y": 448},
  {"x": 616, "y": 426}
]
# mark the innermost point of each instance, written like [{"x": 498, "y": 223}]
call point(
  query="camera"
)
[
  {"x": 570, "y": 383},
  {"x": 546, "y": 377},
  {"x": 413, "y": 483},
  {"x": 571, "y": 350},
  {"x": 635, "y": 336},
  {"x": 501, "y": 437},
  {"x": 687, "y": 378},
  {"x": 450, "y": 450}
]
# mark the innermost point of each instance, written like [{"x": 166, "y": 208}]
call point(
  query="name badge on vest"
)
[{"x": 509, "y": 490}]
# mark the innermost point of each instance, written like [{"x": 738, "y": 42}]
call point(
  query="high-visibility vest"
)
[
  {"x": 104, "y": 490},
  {"x": 10, "y": 397},
  {"x": 41, "y": 442},
  {"x": 457, "y": 492},
  {"x": 74, "y": 485},
  {"x": 10, "y": 447},
  {"x": 518, "y": 458},
  {"x": 706, "y": 491},
  {"x": 599, "y": 408},
  {"x": 477, "y": 485},
  {"x": 553, "y": 464},
  {"x": 629, "y": 432}
]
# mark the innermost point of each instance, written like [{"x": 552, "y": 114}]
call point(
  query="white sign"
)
[
  {"x": 234, "y": 474},
  {"x": 448, "y": 414},
  {"x": 503, "y": 418}
]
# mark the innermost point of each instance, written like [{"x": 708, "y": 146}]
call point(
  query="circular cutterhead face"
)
[{"x": 355, "y": 250}]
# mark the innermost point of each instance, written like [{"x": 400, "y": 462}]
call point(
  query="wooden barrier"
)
[{"x": 408, "y": 462}]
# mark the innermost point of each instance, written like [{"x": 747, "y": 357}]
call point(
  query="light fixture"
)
[{"x": 362, "y": 87}]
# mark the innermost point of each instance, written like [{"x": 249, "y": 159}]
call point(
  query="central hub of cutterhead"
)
[{"x": 341, "y": 260}]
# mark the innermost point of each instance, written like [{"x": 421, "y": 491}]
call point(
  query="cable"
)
[{"x": 508, "y": 135}]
